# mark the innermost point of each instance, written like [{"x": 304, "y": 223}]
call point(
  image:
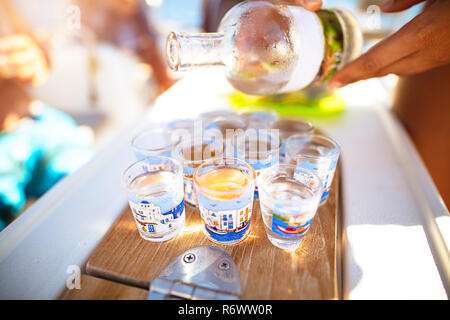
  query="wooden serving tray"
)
[{"x": 266, "y": 271}]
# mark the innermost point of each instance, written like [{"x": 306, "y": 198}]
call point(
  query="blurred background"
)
[{"x": 84, "y": 70}]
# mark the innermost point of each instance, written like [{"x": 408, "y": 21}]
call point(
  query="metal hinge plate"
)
[{"x": 198, "y": 274}]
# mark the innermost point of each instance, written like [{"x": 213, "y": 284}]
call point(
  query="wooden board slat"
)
[
  {"x": 266, "y": 271},
  {"x": 99, "y": 289}
]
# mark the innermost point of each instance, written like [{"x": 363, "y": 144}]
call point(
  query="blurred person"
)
[
  {"x": 125, "y": 24},
  {"x": 38, "y": 144}
]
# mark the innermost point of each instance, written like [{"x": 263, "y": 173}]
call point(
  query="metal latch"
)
[{"x": 198, "y": 274}]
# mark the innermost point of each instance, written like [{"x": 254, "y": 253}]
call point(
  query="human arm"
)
[{"x": 422, "y": 44}]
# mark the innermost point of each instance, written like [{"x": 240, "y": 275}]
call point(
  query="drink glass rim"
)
[
  {"x": 334, "y": 152},
  {"x": 218, "y": 116},
  {"x": 231, "y": 192},
  {"x": 178, "y": 165},
  {"x": 178, "y": 155},
  {"x": 172, "y": 125},
  {"x": 155, "y": 127},
  {"x": 258, "y": 109},
  {"x": 266, "y": 172},
  {"x": 298, "y": 121},
  {"x": 240, "y": 149},
  {"x": 219, "y": 113}
]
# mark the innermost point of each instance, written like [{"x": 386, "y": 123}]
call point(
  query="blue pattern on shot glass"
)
[
  {"x": 189, "y": 194},
  {"x": 158, "y": 215},
  {"x": 288, "y": 222},
  {"x": 226, "y": 221},
  {"x": 325, "y": 171},
  {"x": 261, "y": 164},
  {"x": 156, "y": 202},
  {"x": 287, "y": 229},
  {"x": 283, "y": 150}
]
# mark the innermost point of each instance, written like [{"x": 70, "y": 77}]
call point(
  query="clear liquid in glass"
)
[
  {"x": 155, "y": 205},
  {"x": 270, "y": 48},
  {"x": 286, "y": 225}
]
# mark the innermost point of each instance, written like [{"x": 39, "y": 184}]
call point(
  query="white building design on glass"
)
[
  {"x": 149, "y": 217},
  {"x": 222, "y": 222}
]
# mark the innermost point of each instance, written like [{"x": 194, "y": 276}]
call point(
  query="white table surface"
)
[{"x": 395, "y": 227}]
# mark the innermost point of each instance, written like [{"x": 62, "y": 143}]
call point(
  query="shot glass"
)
[
  {"x": 225, "y": 189},
  {"x": 182, "y": 129},
  {"x": 289, "y": 127},
  {"x": 289, "y": 198},
  {"x": 155, "y": 140},
  {"x": 317, "y": 153},
  {"x": 224, "y": 121},
  {"x": 216, "y": 114},
  {"x": 191, "y": 154},
  {"x": 258, "y": 117},
  {"x": 181, "y": 124},
  {"x": 260, "y": 149},
  {"x": 154, "y": 188}
]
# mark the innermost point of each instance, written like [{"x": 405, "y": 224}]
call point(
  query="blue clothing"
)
[{"x": 35, "y": 157}]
